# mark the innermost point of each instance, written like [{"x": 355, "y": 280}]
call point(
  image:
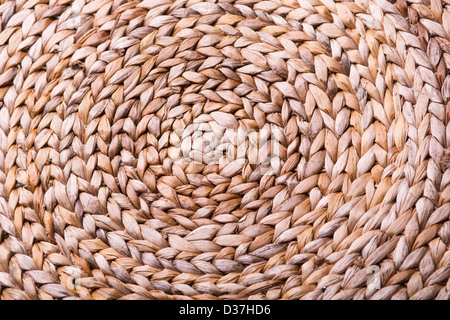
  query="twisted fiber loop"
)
[{"x": 96, "y": 98}]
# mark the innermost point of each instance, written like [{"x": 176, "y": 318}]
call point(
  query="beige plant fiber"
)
[{"x": 98, "y": 100}]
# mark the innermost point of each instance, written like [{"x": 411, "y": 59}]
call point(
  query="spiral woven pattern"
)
[{"x": 99, "y": 98}]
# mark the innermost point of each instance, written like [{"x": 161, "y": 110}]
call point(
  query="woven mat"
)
[{"x": 224, "y": 149}]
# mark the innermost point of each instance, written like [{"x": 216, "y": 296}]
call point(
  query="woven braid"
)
[{"x": 94, "y": 111}]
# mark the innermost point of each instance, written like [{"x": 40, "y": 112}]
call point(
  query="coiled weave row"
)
[{"x": 98, "y": 100}]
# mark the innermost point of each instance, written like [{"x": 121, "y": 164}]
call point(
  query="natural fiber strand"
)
[{"x": 98, "y": 100}]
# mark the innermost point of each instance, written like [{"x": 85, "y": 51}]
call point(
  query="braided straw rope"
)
[{"x": 99, "y": 98}]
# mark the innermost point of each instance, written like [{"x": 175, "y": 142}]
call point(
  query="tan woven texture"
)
[{"x": 99, "y": 98}]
